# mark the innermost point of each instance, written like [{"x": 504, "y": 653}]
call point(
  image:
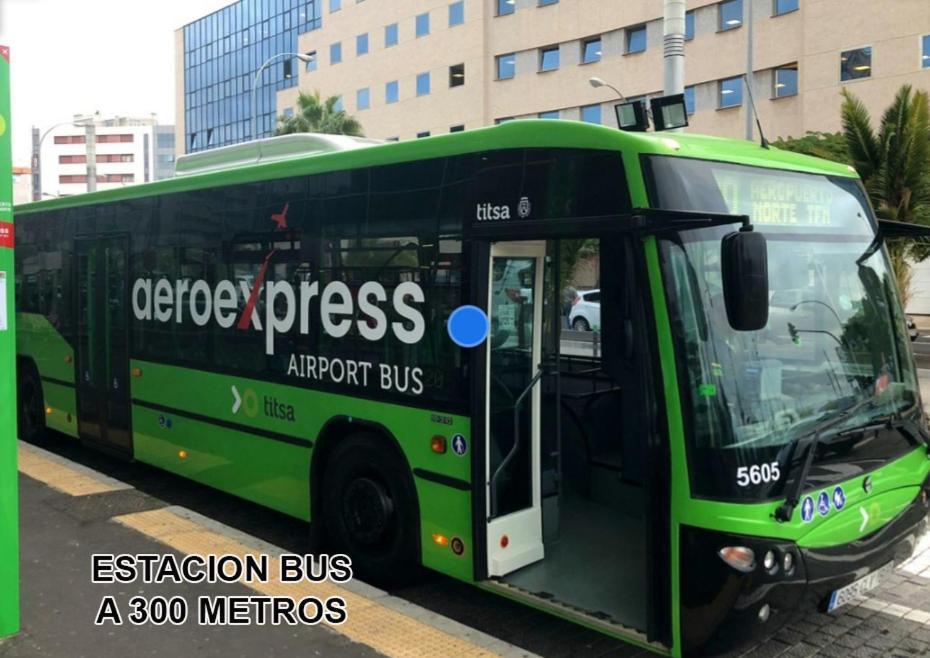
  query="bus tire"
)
[
  {"x": 30, "y": 405},
  {"x": 370, "y": 509}
]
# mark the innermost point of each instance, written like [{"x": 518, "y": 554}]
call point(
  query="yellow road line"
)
[
  {"x": 35, "y": 464},
  {"x": 369, "y": 622}
]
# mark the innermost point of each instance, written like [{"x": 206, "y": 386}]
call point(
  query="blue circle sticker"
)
[
  {"x": 459, "y": 445},
  {"x": 839, "y": 498},
  {"x": 807, "y": 509},
  {"x": 468, "y": 326},
  {"x": 823, "y": 503}
]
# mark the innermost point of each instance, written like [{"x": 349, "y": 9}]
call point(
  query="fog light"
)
[
  {"x": 769, "y": 561},
  {"x": 787, "y": 563},
  {"x": 740, "y": 558},
  {"x": 764, "y": 612}
]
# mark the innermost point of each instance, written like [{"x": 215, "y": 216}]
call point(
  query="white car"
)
[{"x": 586, "y": 310}]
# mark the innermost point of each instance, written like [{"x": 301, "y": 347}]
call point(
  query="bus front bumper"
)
[{"x": 722, "y": 608}]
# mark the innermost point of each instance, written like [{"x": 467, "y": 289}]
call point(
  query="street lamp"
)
[
  {"x": 598, "y": 82},
  {"x": 301, "y": 57},
  {"x": 37, "y": 151}
]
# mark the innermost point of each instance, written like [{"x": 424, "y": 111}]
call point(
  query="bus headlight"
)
[
  {"x": 787, "y": 563},
  {"x": 769, "y": 561},
  {"x": 740, "y": 558}
]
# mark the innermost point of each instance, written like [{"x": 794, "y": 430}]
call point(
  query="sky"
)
[{"x": 72, "y": 57}]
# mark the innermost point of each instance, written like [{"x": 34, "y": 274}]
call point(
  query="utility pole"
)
[
  {"x": 36, "y": 165},
  {"x": 748, "y": 110},
  {"x": 673, "y": 46},
  {"x": 90, "y": 137}
]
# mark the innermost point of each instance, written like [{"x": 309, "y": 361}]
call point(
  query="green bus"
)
[{"x": 375, "y": 338}]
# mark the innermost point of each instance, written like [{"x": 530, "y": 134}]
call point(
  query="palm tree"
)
[
  {"x": 314, "y": 115},
  {"x": 894, "y": 164}
]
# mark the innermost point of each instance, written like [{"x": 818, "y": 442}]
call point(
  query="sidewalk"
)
[{"x": 69, "y": 513}]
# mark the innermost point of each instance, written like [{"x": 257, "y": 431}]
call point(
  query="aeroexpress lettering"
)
[{"x": 163, "y": 300}]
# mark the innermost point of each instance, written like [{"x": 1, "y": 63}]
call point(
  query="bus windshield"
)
[{"x": 835, "y": 334}]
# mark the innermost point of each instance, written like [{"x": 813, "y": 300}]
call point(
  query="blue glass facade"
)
[{"x": 223, "y": 51}]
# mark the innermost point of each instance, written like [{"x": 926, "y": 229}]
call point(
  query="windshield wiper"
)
[{"x": 810, "y": 440}]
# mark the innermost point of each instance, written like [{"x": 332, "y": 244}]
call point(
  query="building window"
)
[
  {"x": 456, "y": 13},
  {"x": 423, "y": 84},
  {"x": 112, "y": 139},
  {"x": 785, "y": 6},
  {"x": 288, "y": 112},
  {"x": 786, "y": 81},
  {"x": 311, "y": 65},
  {"x": 502, "y": 120},
  {"x": 69, "y": 139},
  {"x": 553, "y": 114},
  {"x": 729, "y": 15},
  {"x": 422, "y": 134},
  {"x": 362, "y": 99},
  {"x": 506, "y": 66},
  {"x": 391, "y": 92},
  {"x": 591, "y": 51},
  {"x": 505, "y": 7},
  {"x": 72, "y": 159},
  {"x": 457, "y": 75},
  {"x": 392, "y": 139},
  {"x": 390, "y": 35},
  {"x": 730, "y": 92},
  {"x": 689, "y": 99},
  {"x": 549, "y": 59},
  {"x": 457, "y": 129},
  {"x": 423, "y": 24},
  {"x": 335, "y": 5},
  {"x": 361, "y": 44},
  {"x": 338, "y": 105},
  {"x": 855, "y": 64},
  {"x": 636, "y": 39},
  {"x": 925, "y": 52},
  {"x": 543, "y": 3},
  {"x": 335, "y": 53},
  {"x": 591, "y": 113},
  {"x": 689, "y": 25}
]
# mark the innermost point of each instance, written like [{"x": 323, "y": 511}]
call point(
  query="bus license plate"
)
[{"x": 856, "y": 589}]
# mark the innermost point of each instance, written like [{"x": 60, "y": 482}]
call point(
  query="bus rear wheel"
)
[
  {"x": 31, "y": 416},
  {"x": 370, "y": 510}
]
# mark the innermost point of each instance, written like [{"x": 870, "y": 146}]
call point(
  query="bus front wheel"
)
[{"x": 370, "y": 510}]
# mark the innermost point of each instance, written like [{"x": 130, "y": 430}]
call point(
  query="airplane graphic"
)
[{"x": 281, "y": 218}]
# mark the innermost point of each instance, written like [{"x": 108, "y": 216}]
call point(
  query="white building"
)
[{"x": 124, "y": 151}]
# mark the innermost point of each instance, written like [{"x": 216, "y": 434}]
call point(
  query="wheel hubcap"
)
[{"x": 367, "y": 510}]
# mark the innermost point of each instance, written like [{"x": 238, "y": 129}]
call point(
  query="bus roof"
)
[{"x": 512, "y": 134}]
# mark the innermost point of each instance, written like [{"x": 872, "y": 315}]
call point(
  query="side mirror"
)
[{"x": 744, "y": 266}]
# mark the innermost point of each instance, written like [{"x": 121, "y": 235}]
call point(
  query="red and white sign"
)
[{"x": 6, "y": 235}]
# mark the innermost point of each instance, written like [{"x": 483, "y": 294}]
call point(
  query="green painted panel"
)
[
  {"x": 902, "y": 475},
  {"x": 60, "y": 407},
  {"x": 862, "y": 518},
  {"x": 276, "y": 474},
  {"x": 267, "y": 472},
  {"x": 38, "y": 339},
  {"x": 446, "y": 512}
]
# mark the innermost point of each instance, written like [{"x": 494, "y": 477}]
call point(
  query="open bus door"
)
[{"x": 514, "y": 531}]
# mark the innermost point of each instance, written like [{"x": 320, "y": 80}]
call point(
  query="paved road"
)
[{"x": 895, "y": 622}]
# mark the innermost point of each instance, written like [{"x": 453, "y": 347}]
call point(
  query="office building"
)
[
  {"x": 410, "y": 68},
  {"x": 124, "y": 151}
]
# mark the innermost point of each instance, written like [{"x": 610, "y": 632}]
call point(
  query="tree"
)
[
  {"x": 829, "y": 146},
  {"x": 314, "y": 115},
  {"x": 894, "y": 164}
]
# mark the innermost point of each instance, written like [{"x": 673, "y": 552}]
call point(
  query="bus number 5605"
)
[{"x": 756, "y": 474}]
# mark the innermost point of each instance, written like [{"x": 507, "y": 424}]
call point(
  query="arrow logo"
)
[
  {"x": 237, "y": 399},
  {"x": 865, "y": 519}
]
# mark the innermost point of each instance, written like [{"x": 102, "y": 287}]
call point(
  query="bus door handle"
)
[{"x": 516, "y": 439}]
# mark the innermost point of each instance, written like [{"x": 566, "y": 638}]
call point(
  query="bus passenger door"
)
[
  {"x": 102, "y": 352},
  {"x": 514, "y": 510}
]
